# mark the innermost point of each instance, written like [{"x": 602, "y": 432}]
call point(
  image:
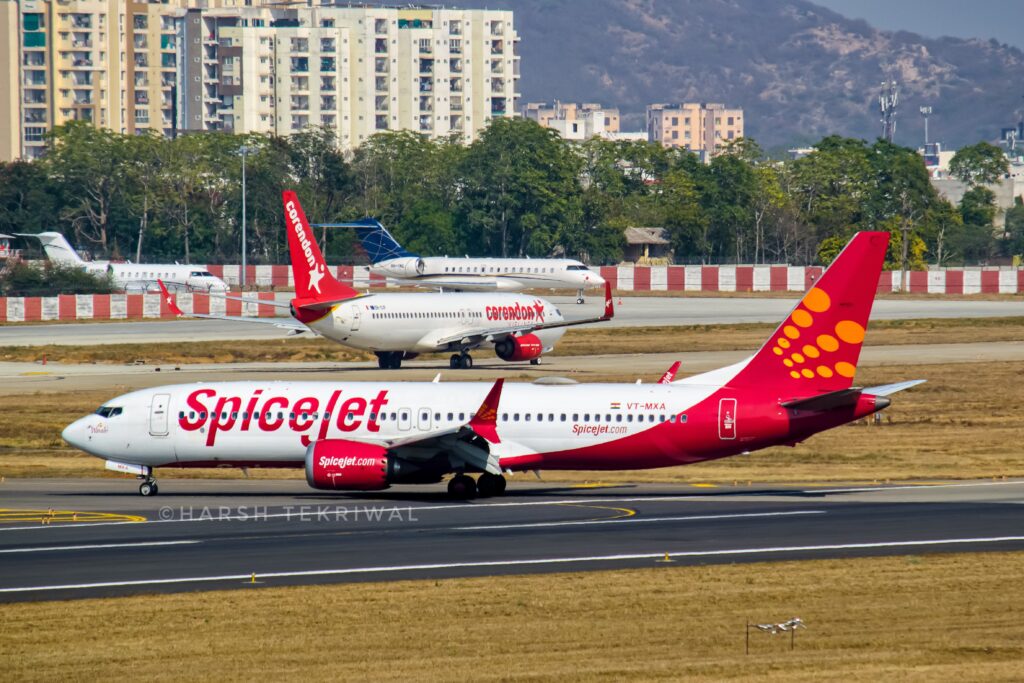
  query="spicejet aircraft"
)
[
  {"x": 390, "y": 259},
  {"x": 367, "y": 435},
  {"x": 400, "y": 326}
]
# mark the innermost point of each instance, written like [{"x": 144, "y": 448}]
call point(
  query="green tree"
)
[
  {"x": 520, "y": 189},
  {"x": 980, "y": 164},
  {"x": 29, "y": 200},
  {"x": 978, "y": 212},
  {"x": 1013, "y": 245}
]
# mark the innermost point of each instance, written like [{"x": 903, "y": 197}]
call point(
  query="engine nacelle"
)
[
  {"x": 410, "y": 266},
  {"x": 526, "y": 347},
  {"x": 337, "y": 464}
]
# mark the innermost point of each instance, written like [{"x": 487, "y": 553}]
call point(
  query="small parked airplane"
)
[
  {"x": 399, "y": 326},
  {"x": 132, "y": 276},
  {"x": 390, "y": 259},
  {"x": 362, "y": 436}
]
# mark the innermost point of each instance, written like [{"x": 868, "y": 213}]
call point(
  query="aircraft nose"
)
[
  {"x": 596, "y": 280},
  {"x": 75, "y": 433}
]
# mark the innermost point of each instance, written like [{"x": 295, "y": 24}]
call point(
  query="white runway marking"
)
[
  {"x": 915, "y": 487},
  {"x": 516, "y": 563},
  {"x": 637, "y": 520},
  {"x": 98, "y": 546}
]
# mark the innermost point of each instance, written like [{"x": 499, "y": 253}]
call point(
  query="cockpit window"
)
[
  {"x": 201, "y": 273},
  {"x": 577, "y": 268},
  {"x": 108, "y": 411}
]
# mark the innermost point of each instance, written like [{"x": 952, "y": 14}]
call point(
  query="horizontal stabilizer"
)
[
  {"x": 889, "y": 389},
  {"x": 829, "y": 401}
]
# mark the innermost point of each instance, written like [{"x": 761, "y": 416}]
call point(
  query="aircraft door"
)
[
  {"x": 404, "y": 419},
  {"x": 727, "y": 419},
  {"x": 158, "y": 415},
  {"x": 424, "y": 420},
  {"x": 355, "y": 317}
]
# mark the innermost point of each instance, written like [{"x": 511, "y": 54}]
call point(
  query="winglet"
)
[
  {"x": 172, "y": 305},
  {"x": 670, "y": 374},
  {"x": 485, "y": 422},
  {"x": 609, "y": 307}
]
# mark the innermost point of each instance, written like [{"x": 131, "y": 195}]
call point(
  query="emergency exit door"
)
[{"x": 727, "y": 419}]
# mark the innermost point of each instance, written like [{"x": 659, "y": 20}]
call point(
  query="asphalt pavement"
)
[
  {"x": 102, "y": 538},
  {"x": 632, "y": 312}
]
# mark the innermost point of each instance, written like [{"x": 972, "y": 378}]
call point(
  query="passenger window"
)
[
  {"x": 629, "y": 418},
  {"x": 682, "y": 418},
  {"x": 504, "y": 417},
  {"x": 181, "y": 415},
  {"x": 586, "y": 417},
  {"x": 515, "y": 417},
  {"x": 563, "y": 417},
  {"x": 527, "y": 416},
  {"x": 618, "y": 418},
  {"x": 575, "y": 417},
  {"x": 462, "y": 417}
]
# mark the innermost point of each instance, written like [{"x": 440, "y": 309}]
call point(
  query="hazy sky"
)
[{"x": 999, "y": 19}]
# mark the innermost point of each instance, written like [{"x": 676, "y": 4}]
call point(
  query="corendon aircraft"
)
[
  {"x": 368, "y": 435},
  {"x": 400, "y": 326},
  {"x": 391, "y": 259}
]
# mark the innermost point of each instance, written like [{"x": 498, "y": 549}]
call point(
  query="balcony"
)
[
  {"x": 380, "y": 102},
  {"x": 426, "y": 85},
  {"x": 426, "y": 123},
  {"x": 35, "y": 78},
  {"x": 497, "y": 47},
  {"x": 300, "y": 104},
  {"x": 168, "y": 43},
  {"x": 455, "y": 65},
  {"x": 81, "y": 62},
  {"x": 35, "y": 97},
  {"x": 455, "y": 29},
  {"x": 140, "y": 43},
  {"x": 168, "y": 61},
  {"x": 81, "y": 43},
  {"x": 380, "y": 46},
  {"x": 327, "y": 84},
  {"x": 81, "y": 78},
  {"x": 426, "y": 66},
  {"x": 300, "y": 64},
  {"x": 455, "y": 85},
  {"x": 140, "y": 22},
  {"x": 328, "y": 103},
  {"x": 81, "y": 21},
  {"x": 141, "y": 61},
  {"x": 497, "y": 28},
  {"x": 300, "y": 83},
  {"x": 35, "y": 116},
  {"x": 426, "y": 104},
  {"x": 328, "y": 45},
  {"x": 498, "y": 85},
  {"x": 141, "y": 98},
  {"x": 300, "y": 45},
  {"x": 328, "y": 64},
  {"x": 34, "y": 59},
  {"x": 380, "y": 65},
  {"x": 456, "y": 104},
  {"x": 380, "y": 25}
]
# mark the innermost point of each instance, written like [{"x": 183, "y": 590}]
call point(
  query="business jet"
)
[
  {"x": 389, "y": 259},
  {"x": 399, "y": 326},
  {"x": 360, "y": 436},
  {"x": 132, "y": 276}
]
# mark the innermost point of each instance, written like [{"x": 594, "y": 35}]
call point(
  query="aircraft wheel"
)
[
  {"x": 396, "y": 360},
  {"x": 490, "y": 485},
  {"x": 466, "y": 361},
  {"x": 148, "y": 488},
  {"x": 462, "y": 487},
  {"x": 453, "y": 362},
  {"x": 535, "y": 361},
  {"x": 579, "y": 300}
]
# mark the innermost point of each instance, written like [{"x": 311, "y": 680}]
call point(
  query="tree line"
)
[{"x": 518, "y": 190}]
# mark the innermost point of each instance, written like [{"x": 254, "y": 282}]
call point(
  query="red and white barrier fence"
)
[{"x": 622, "y": 278}]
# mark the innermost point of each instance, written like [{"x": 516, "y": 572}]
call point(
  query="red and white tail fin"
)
[
  {"x": 313, "y": 281},
  {"x": 169, "y": 299},
  {"x": 670, "y": 374},
  {"x": 485, "y": 421},
  {"x": 815, "y": 350}
]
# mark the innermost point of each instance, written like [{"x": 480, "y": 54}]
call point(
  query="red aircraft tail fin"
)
[
  {"x": 815, "y": 350},
  {"x": 313, "y": 281},
  {"x": 169, "y": 299}
]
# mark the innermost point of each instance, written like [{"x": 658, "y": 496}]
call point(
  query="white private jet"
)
[
  {"x": 400, "y": 326},
  {"x": 390, "y": 259},
  {"x": 132, "y": 276},
  {"x": 362, "y": 436}
]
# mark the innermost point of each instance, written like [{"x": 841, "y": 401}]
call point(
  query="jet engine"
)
[
  {"x": 526, "y": 347},
  {"x": 410, "y": 266},
  {"x": 342, "y": 465}
]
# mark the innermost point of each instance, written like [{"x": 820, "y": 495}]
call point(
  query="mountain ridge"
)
[{"x": 800, "y": 71}]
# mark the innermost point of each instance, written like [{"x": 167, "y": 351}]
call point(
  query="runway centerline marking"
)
[
  {"x": 518, "y": 563},
  {"x": 638, "y": 520},
  {"x": 95, "y": 546}
]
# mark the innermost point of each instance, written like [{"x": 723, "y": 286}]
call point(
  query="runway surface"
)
[
  {"x": 16, "y": 378},
  {"x": 633, "y": 312},
  {"x": 208, "y": 534}
]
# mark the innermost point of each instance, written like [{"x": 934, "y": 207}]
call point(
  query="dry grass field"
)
[
  {"x": 914, "y": 618},
  {"x": 576, "y": 342},
  {"x": 964, "y": 423}
]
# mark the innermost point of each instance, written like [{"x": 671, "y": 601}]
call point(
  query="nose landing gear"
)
[
  {"x": 148, "y": 487},
  {"x": 579, "y": 295}
]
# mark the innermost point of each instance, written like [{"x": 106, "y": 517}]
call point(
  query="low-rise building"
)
[
  {"x": 703, "y": 128},
  {"x": 575, "y": 121}
]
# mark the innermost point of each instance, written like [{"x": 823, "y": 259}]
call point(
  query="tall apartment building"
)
[
  {"x": 575, "y": 121},
  {"x": 176, "y": 66},
  {"x": 702, "y": 128}
]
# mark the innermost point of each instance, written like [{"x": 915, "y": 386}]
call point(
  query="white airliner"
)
[
  {"x": 399, "y": 326},
  {"x": 390, "y": 259},
  {"x": 132, "y": 276},
  {"x": 369, "y": 435}
]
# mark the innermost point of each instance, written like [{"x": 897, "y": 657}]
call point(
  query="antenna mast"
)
[{"x": 888, "y": 100}]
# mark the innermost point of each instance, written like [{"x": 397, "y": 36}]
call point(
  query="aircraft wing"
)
[
  {"x": 294, "y": 326},
  {"x": 474, "y": 337},
  {"x": 471, "y": 442}
]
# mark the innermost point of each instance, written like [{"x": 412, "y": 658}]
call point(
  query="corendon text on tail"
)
[
  {"x": 369, "y": 435},
  {"x": 399, "y": 326}
]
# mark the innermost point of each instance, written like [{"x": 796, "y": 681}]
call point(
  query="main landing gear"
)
[
  {"x": 148, "y": 487},
  {"x": 463, "y": 487},
  {"x": 389, "y": 360},
  {"x": 460, "y": 361}
]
